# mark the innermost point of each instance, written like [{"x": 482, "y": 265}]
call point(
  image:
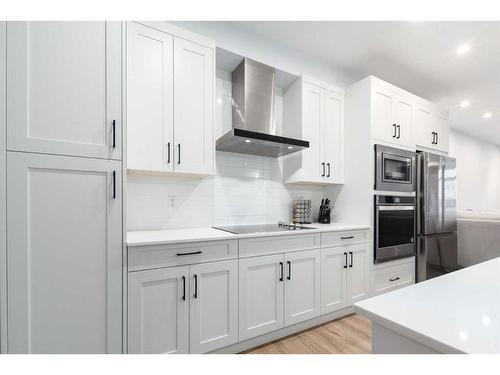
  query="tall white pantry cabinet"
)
[{"x": 63, "y": 259}]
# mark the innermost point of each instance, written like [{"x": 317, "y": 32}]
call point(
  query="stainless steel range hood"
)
[{"x": 254, "y": 127}]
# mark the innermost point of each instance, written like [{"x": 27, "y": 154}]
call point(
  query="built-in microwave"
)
[{"x": 394, "y": 169}]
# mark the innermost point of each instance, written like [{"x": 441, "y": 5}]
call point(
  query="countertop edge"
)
[
  {"x": 407, "y": 332},
  {"x": 231, "y": 236}
]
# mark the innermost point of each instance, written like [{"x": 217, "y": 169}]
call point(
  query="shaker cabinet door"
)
[
  {"x": 302, "y": 286},
  {"x": 333, "y": 278},
  {"x": 214, "y": 305},
  {"x": 64, "y": 88},
  {"x": 150, "y": 105},
  {"x": 260, "y": 295},
  {"x": 333, "y": 137},
  {"x": 64, "y": 254},
  {"x": 357, "y": 273},
  {"x": 158, "y": 313},
  {"x": 194, "y": 146}
]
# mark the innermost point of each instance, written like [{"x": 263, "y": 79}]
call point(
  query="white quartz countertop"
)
[
  {"x": 169, "y": 236},
  {"x": 457, "y": 312}
]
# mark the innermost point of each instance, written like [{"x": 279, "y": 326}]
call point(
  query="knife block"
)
[{"x": 324, "y": 215}]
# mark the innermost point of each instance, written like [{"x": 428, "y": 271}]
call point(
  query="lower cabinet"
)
[
  {"x": 277, "y": 291},
  {"x": 64, "y": 254},
  {"x": 188, "y": 309},
  {"x": 158, "y": 313},
  {"x": 392, "y": 277},
  {"x": 302, "y": 286},
  {"x": 344, "y": 276},
  {"x": 261, "y": 295}
]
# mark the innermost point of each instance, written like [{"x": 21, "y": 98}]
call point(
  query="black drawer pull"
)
[
  {"x": 328, "y": 165},
  {"x": 179, "y": 159},
  {"x": 345, "y": 264},
  {"x": 183, "y": 288},
  {"x": 350, "y": 253},
  {"x": 168, "y": 153},
  {"x": 395, "y": 130},
  {"x": 195, "y": 286},
  {"x": 396, "y": 278},
  {"x": 323, "y": 165},
  {"x": 289, "y": 277},
  {"x": 281, "y": 271},
  {"x": 114, "y": 133},
  {"x": 346, "y": 238},
  {"x": 114, "y": 184},
  {"x": 192, "y": 253}
]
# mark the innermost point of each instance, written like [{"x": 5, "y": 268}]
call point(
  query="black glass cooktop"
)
[{"x": 261, "y": 228}]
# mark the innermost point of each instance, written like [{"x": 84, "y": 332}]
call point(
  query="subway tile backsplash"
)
[{"x": 245, "y": 189}]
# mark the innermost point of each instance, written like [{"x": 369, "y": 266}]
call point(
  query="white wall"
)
[
  {"x": 236, "y": 39},
  {"x": 478, "y": 172}
]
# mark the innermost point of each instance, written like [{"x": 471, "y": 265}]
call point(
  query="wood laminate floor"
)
[{"x": 347, "y": 335}]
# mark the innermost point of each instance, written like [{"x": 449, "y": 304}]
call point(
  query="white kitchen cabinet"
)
[
  {"x": 302, "y": 286},
  {"x": 391, "y": 116},
  {"x": 64, "y": 88},
  {"x": 194, "y": 85},
  {"x": 314, "y": 111},
  {"x": 357, "y": 273},
  {"x": 150, "y": 89},
  {"x": 260, "y": 295},
  {"x": 333, "y": 278},
  {"x": 432, "y": 128},
  {"x": 158, "y": 312},
  {"x": 387, "y": 278},
  {"x": 183, "y": 309},
  {"x": 170, "y": 102},
  {"x": 213, "y": 305},
  {"x": 64, "y": 254}
]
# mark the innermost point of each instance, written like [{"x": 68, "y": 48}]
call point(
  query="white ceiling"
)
[{"x": 417, "y": 56}]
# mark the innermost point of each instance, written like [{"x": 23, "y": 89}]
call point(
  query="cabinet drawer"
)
[
  {"x": 157, "y": 256},
  {"x": 394, "y": 277},
  {"x": 249, "y": 247},
  {"x": 343, "y": 238}
]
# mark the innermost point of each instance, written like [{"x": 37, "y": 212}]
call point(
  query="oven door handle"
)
[{"x": 396, "y": 208}]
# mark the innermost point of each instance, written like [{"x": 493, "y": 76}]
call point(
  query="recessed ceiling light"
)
[
  {"x": 487, "y": 115},
  {"x": 464, "y": 104},
  {"x": 248, "y": 140},
  {"x": 290, "y": 147},
  {"x": 463, "y": 49}
]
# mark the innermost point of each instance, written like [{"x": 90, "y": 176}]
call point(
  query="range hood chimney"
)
[{"x": 254, "y": 126}]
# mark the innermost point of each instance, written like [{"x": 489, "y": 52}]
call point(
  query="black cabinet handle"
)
[
  {"x": 183, "y": 288},
  {"x": 195, "y": 286},
  {"x": 396, "y": 278},
  {"x": 113, "y": 127},
  {"x": 399, "y": 131},
  {"x": 350, "y": 254},
  {"x": 114, "y": 184},
  {"x": 179, "y": 158},
  {"x": 168, "y": 153},
  {"x": 281, "y": 271},
  {"x": 434, "y": 137},
  {"x": 323, "y": 164},
  {"x": 289, "y": 277},
  {"x": 191, "y": 253},
  {"x": 394, "y": 134},
  {"x": 328, "y": 175},
  {"x": 437, "y": 137},
  {"x": 346, "y": 238},
  {"x": 345, "y": 264}
]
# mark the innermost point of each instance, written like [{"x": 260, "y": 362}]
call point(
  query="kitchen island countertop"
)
[{"x": 455, "y": 313}]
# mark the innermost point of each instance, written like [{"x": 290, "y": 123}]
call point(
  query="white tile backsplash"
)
[{"x": 245, "y": 189}]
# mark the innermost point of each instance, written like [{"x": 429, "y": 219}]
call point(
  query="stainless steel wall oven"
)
[{"x": 394, "y": 227}]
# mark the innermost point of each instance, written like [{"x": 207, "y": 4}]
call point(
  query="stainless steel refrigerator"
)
[{"x": 436, "y": 216}]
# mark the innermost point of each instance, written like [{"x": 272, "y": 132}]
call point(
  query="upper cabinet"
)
[
  {"x": 399, "y": 118},
  {"x": 314, "y": 111},
  {"x": 64, "y": 88},
  {"x": 170, "y": 101},
  {"x": 392, "y": 116},
  {"x": 432, "y": 129}
]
